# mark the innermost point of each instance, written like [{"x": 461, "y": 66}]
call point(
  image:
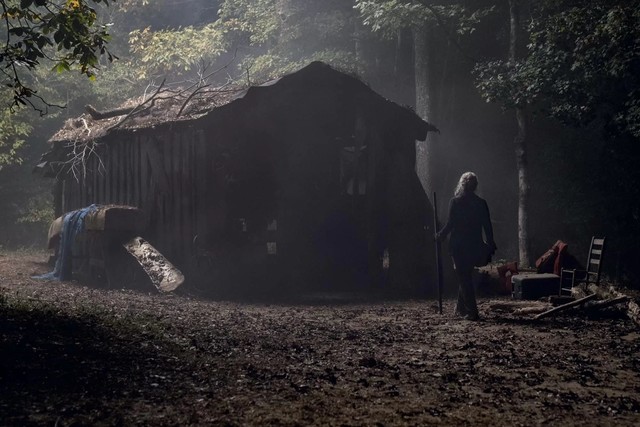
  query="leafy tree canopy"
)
[
  {"x": 65, "y": 32},
  {"x": 293, "y": 34},
  {"x": 390, "y": 15},
  {"x": 14, "y": 130},
  {"x": 270, "y": 36},
  {"x": 582, "y": 64},
  {"x": 176, "y": 51}
]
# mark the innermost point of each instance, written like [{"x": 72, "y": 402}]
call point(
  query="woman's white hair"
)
[{"x": 467, "y": 184}]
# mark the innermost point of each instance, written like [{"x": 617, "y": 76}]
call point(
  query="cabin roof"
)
[{"x": 167, "y": 107}]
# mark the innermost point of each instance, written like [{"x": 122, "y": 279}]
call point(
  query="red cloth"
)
[
  {"x": 561, "y": 248},
  {"x": 553, "y": 260}
]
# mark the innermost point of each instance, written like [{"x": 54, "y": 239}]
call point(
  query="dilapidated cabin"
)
[{"x": 305, "y": 182}]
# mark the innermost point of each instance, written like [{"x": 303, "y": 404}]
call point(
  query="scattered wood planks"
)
[
  {"x": 565, "y": 306},
  {"x": 607, "y": 298},
  {"x": 610, "y": 292}
]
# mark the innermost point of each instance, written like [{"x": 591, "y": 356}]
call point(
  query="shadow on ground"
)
[{"x": 53, "y": 363}]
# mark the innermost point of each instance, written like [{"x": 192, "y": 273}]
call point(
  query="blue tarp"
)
[{"x": 72, "y": 225}]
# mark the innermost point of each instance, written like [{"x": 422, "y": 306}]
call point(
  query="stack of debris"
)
[
  {"x": 96, "y": 245},
  {"x": 591, "y": 301},
  {"x": 556, "y": 269}
]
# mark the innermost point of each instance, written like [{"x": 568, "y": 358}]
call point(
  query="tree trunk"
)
[
  {"x": 404, "y": 68},
  {"x": 523, "y": 187},
  {"x": 358, "y": 47},
  {"x": 424, "y": 104},
  {"x": 521, "y": 142}
]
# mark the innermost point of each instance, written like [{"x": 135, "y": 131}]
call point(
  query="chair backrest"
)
[{"x": 594, "y": 261}]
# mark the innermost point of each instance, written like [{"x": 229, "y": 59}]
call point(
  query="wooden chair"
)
[{"x": 588, "y": 276}]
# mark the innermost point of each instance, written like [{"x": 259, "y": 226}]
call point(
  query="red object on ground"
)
[
  {"x": 552, "y": 261},
  {"x": 505, "y": 272},
  {"x": 562, "y": 250}
]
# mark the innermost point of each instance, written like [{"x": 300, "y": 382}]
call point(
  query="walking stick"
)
[{"x": 438, "y": 259}]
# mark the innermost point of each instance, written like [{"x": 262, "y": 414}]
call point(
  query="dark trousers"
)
[{"x": 466, "y": 292}]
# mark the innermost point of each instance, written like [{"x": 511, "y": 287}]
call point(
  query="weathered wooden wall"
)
[
  {"x": 164, "y": 174},
  {"x": 225, "y": 177}
]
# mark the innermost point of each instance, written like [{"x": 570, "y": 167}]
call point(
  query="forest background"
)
[{"x": 541, "y": 99}]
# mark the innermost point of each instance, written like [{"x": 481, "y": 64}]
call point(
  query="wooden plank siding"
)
[
  {"x": 273, "y": 153},
  {"x": 164, "y": 175}
]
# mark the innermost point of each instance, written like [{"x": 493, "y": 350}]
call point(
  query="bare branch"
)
[
  {"x": 138, "y": 107},
  {"x": 184, "y": 104},
  {"x": 99, "y": 115}
]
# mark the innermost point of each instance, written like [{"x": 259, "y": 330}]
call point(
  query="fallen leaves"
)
[{"x": 76, "y": 355}]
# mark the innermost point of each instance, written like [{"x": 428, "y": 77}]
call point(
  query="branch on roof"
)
[
  {"x": 139, "y": 108},
  {"x": 99, "y": 115},
  {"x": 184, "y": 104}
]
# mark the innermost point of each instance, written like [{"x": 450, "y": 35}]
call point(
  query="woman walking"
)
[{"x": 468, "y": 217}]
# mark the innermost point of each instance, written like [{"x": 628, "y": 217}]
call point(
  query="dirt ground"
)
[{"x": 72, "y": 355}]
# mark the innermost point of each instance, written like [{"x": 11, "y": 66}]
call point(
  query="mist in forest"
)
[{"x": 426, "y": 58}]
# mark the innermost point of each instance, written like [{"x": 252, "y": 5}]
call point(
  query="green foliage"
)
[
  {"x": 288, "y": 34},
  {"x": 14, "y": 129},
  {"x": 176, "y": 51},
  {"x": 115, "y": 83},
  {"x": 27, "y": 209},
  {"x": 388, "y": 16},
  {"x": 503, "y": 82},
  {"x": 272, "y": 37},
  {"x": 254, "y": 21},
  {"x": 13, "y": 132},
  {"x": 38, "y": 210},
  {"x": 65, "y": 32},
  {"x": 581, "y": 65},
  {"x": 267, "y": 66}
]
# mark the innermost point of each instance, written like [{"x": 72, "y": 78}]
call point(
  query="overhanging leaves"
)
[{"x": 66, "y": 32}]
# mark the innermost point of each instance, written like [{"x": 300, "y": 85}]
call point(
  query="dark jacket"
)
[{"x": 468, "y": 216}]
